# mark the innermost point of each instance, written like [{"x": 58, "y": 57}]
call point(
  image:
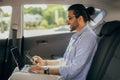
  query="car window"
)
[
  {"x": 97, "y": 18},
  {"x": 5, "y": 20},
  {"x": 45, "y": 19}
]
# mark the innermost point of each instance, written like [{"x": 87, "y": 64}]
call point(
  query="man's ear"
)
[{"x": 80, "y": 18}]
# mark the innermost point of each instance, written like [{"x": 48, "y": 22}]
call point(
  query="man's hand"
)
[
  {"x": 39, "y": 60},
  {"x": 36, "y": 69}
]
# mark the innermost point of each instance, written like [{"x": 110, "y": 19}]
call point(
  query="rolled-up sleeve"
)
[{"x": 84, "y": 51}]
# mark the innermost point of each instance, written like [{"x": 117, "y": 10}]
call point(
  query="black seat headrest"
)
[{"x": 110, "y": 27}]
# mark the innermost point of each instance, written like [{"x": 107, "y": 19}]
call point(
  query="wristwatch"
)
[{"x": 46, "y": 69}]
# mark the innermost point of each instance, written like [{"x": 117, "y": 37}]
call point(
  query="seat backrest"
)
[
  {"x": 110, "y": 33},
  {"x": 113, "y": 70}
]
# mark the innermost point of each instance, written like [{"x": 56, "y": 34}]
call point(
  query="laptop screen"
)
[{"x": 17, "y": 58}]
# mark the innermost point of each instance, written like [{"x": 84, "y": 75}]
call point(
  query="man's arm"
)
[
  {"x": 51, "y": 62},
  {"x": 41, "y": 69},
  {"x": 43, "y": 62},
  {"x": 54, "y": 70}
]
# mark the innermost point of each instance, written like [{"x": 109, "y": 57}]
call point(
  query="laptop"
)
[{"x": 19, "y": 60}]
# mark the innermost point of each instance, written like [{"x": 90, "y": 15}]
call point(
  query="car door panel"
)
[{"x": 47, "y": 46}]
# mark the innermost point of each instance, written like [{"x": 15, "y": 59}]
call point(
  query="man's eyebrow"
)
[{"x": 72, "y": 16}]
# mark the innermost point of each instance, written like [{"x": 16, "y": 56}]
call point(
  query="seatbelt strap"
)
[{"x": 14, "y": 39}]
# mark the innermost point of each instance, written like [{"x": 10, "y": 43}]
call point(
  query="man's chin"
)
[{"x": 71, "y": 29}]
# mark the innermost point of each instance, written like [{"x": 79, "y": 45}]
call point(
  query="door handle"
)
[{"x": 41, "y": 42}]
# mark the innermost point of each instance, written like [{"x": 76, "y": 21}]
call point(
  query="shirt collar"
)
[{"x": 77, "y": 34}]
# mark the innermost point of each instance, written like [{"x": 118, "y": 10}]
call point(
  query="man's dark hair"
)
[
  {"x": 91, "y": 10},
  {"x": 80, "y": 10}
]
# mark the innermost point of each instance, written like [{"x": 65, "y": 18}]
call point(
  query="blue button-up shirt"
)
[{"x": 79, "y": 54}]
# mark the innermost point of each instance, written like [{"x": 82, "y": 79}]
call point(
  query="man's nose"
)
[{"x": 67, "y": 22}]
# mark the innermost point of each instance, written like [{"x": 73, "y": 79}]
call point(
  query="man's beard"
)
[{"x": 73, "y": 28}]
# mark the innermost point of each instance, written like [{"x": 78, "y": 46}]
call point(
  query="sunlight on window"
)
[
  {"x": 5, "y": 19},
  {"x": 45, "y": 19}
]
